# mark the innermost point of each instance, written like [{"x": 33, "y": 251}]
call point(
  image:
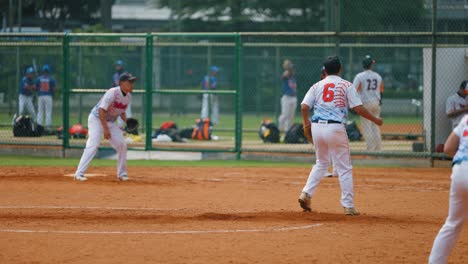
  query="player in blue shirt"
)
[
  {"x": 208, "y": 83},
  {"x": 26, "y": 89},
  {"x": 289, "y": 98},
  {"x": 45, "y": 91}
]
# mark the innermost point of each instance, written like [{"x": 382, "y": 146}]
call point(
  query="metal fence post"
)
[
  {"x": 66, "y": 91},
  {"x": 433, "y": 77},
  {"x": 149, "y": 91},
  {"x": 238, "y": 98}
]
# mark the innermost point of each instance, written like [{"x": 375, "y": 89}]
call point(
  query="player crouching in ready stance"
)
[
  {"x": 330, "y": 99},
  {"x": 101, "y": 121}
]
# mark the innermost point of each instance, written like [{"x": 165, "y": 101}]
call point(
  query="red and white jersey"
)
[
  {"x": 369, "y": 86},
  {"x": 330, "y": 98},
  {"x": 114, "y": 102}
]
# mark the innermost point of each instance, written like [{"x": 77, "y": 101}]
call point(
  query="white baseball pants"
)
[
  {"x": 117, "y": 141},
  {"x": 331, "y": 140},
  {"x": 288, "y": 109},
  {"x": 458, "y": 212},
  {"x": 44, "y": 105},
  {"x": 26, "y": 102},
  {"x": 370, "y": 130},
  {"x": 206, "y": 101}
]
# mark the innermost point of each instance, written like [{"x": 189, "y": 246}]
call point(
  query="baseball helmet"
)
[
  {"x": 367, "y": 62},
  {"x": 119, "y": 62},
  {"x": 213, "y": 68},
  {"x": 78, "y": 131},
  {"x": 46, "y": 68},
  {"x": 29, "y": 70}
]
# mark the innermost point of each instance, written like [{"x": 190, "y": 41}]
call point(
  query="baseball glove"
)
[
  {"x": 308, "y": 133},
  {"x": 132, "y": 126}
]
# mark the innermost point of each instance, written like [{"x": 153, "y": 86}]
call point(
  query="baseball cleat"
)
[
  {"x": 80, "y": 178},
  {"x": 123, "y": 177},
  {"x": 304, "y": 202},
  {"x": 351, "y": 211}
]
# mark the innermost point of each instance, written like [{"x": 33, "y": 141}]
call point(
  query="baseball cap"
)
[
  {"x": 464, "y": 85},
  {"x": 367, "y": 61},
  {"x": 119, "y": 62},
  {"x": 46, "y": 68},
  {"x": 126, "y": 76},
  {"x": 29, "y": 70},
  {"x": 213, "y": 68},
  {"x": 332, "y": 65}
]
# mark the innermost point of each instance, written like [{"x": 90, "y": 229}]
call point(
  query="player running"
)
[
  {"x": 369, "y": 85},
  {"x": 456, "y": 144},
  {"x": 330, "y": 98},
  {"x": 101, "y": 121}
]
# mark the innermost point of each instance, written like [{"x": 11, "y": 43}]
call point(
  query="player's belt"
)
[{"x": 320, "y": 121}]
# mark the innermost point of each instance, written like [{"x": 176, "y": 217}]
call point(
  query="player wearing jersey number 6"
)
[
  {"x": 101, "y": 122},
  {"x": 330, "y": 98}
]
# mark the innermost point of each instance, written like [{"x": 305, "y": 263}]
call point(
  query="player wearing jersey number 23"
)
[{"x": 330, "y": 99}]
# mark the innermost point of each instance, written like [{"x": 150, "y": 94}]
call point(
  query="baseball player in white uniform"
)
[
  {"x": 370, "y": 87},
  {"x": 457, "y": 105},
  {"x": 101, "y": 121},
  {"x": 330, "y": 98},
  {"x": 457, "y": 147}
]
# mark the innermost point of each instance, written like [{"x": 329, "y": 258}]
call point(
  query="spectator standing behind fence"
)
[
  {"x": 370, "y": 88},
  {"x": 289, "y": 98},
  {"x": 26, "y": 89},
  {"x": 119, "y": 69},
  {"x": 457, "y": 104},
  {"x": 210, "y": 101},
  {"x": 45, "y": 92}
]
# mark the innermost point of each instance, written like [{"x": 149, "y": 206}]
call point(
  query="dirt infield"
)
[{"x": 219, "y": 215}]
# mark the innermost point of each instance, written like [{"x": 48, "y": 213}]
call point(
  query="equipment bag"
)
[
  {"x": 168, "y": 128},
  {"x": 269, "y": 132},
  {"x": 202, "y": 130},
  {"x": 24, "y": 126},
  {"x": 295, "y": 135}
]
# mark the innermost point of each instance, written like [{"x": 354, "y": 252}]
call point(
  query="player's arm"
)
[
  {"x": 305, "y": 109},
  {"x": 102, "y": 118},
  {"x": 451, "y": 144},
  {"x": 306, "y": 125},
  {"x": 285, "y": 74},
  {"x": 124, "y": 117},
  {"x": 458, "y": 112},
  {"x": 362, "y": 111}
]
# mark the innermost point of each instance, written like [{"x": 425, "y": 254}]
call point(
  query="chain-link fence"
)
[{"x": 241, "y": 73}]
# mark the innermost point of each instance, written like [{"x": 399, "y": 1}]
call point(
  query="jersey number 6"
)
[{"x": 328, "y": 95}]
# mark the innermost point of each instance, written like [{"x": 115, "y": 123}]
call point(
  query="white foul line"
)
[{"x": 181, "y": 232}]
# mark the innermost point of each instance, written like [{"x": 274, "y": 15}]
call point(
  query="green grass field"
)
[{"x": 249, "y": 121}]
